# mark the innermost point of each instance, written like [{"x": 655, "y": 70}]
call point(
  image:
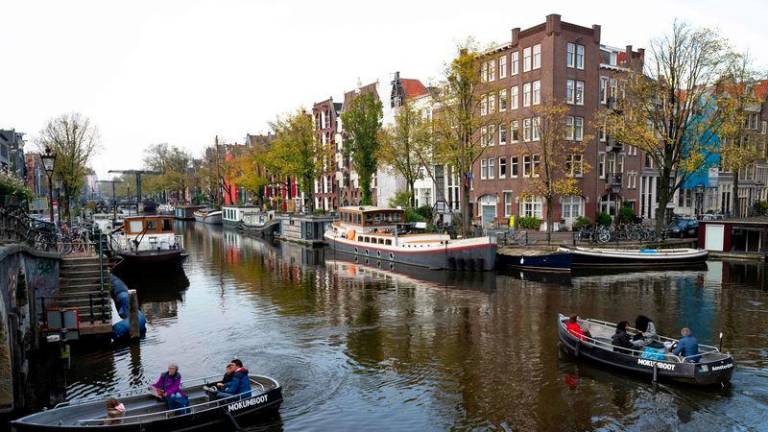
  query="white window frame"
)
[
  {"x": 531, "y": 207},
  {"x": 536, "y": 93},
  {"x": 535, "y": 128},
  {"x": 570, "y": 91},
  {"x": 578, "y": 128},
  {"x": 527, "y": 94},
  {"x": 514, "y": 97},
  {"x": 484, "y": 136},
  {"x": 491, "y": 168},
  {"x": 499, "y": 129},
  {"x": 601, "y": 165},
  {"x": 536, "y": 164},
  {"x": 580, "y": 56},
  {"x": 503, "y": 66},
  {"x": 514, "y": 63},
  {"x": 604, "y": 90},
  {"x": 569, "y": 128},
  {"x": 484, "y": 72},
  {"x": 527, "y": 59},
  {"x": 527, "y": 130},
  {"x": 483, "y": 105},
  {"x": 579, "y": 95},
  {"x": 492, "y": 70},
  {"x": 503, "y": 97},
  {"x": 570, "y": 55},
  {"x": 483, "y": 169},
  {"x": 514, "y": 126},
  {"x": 765, "y": 127},
  {"x": 504, "y": 174},
  {"x": 491, "y": 103},
  {"x": 536, "y": 57},
  {"x": 527, "y": 165},
  {"x": 513, "y": 167},
  {"x": 508, "y": 202}
]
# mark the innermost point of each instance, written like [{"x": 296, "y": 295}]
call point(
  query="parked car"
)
[{"x": 683, "y": 228}]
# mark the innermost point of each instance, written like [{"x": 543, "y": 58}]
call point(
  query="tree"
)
[
  {"x": 740, "y": 147},
  {"x": 362, "y": 123},
  {"x": 557, "y": 158},
  {"x": 295, "y": 152},
  {"x": 249, "y": 171},
  {"x": 661, "y": 112},
  {"x": 456, "y": 121},
  {"x": 403, "y": 143},
  {"x": 73, "y": 139},
  {"x": 173, "y": 162}
]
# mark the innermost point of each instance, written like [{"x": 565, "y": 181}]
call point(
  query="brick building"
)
[
  {"x": 563, "y": 62},
  {"x": 326, "y": 120}
]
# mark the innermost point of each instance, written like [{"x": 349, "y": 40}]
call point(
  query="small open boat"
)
[
  {"x": 534, "y": 259},
  {"x": 146, "y": 413},
  {"x": 713, "y": 367},
  {"x": 606, "y": 257}
]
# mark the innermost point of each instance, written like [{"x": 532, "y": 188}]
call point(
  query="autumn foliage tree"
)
[{"x": 362, "y": 126}]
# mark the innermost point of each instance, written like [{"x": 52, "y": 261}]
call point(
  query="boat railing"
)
[
  {"x": 630, "y": 351},
  {"x": 183, "y": 410}
]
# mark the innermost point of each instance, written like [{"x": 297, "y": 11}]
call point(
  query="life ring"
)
[{"x": 351, "y": 235}]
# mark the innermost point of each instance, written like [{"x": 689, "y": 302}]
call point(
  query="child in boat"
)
[
  {"x": 575, "y": 329},
  {"x": 168, "y": 388},
  {"x": 115, "y": 410}
]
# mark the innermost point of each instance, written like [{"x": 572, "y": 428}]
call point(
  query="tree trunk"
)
[
  {"x": 549, "y": 219},
  {"x": 736, "y": 206},
  {"x": 664, "y": 197},
  {"x": 413, "y": 193},
  {"x": 466, "y": 212}
]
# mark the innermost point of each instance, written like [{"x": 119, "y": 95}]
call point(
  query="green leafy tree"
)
[
  {"x": 73, "y": 139},
  {"x": 362, "y": 125}
]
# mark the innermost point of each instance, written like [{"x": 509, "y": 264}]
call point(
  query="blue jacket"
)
[
  {"x": 688, "y": 346},
  {"x": 240, "y": 383}
]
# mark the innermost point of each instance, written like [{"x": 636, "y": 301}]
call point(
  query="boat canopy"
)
[{"x": 367, "y": 216}]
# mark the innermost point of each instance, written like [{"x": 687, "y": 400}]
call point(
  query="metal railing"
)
[{"x": 16, "y": 226}]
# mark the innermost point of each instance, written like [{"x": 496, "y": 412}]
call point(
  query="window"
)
[
  {"x": 484, "y": 136},
  {"x": 514, "y": 95},
  {"x": 578, "y": 128},
  {"x": 536, "y": 92},
  {"x": 526, "y": 166},
  {"x": 503, "y": 100},
  {"x": 571, "y": 207},
  {"x": 483, "y": 105},
  {"x": 601, "y": 165},
  {"x": 491, "y": 70},
  {"x": 619, "y": 163},
  {"x": 484, "y": 72},
  {"x": 502, "y": 134},
  {"x": 531, "y": 207},
  {"x": 537, "y": 56},
  {"x": 527, "y": 130},
  {"x": 502, "y": 168},
  {"x": 603, "y": 134},
  {"x": 535, "y": 126},
  {"x": 514, "y": 131},
  {"x": 648, "y": 161},
  {"x": 575, "y": 56},
  {"x": 483, "y": 169},
  {"x": 526, "y": 59},
  {"x": 536, "y": 165},
  {"x": 515, "y": 63},
  {"x": 491, "y": 103},
  {"x": 527, "y": 94},
  {"x": 491, "y": 135},
  {"x": 574, "y": 166},
  {"x": 570, "y": 91},
  {"x": 753, "y": 120},
  {"x": 570, "y": 59},
  {"x": 569, "y": 128},
  {"x": 603, "y": 90},
  {"x": 579, "y": 96},
  {"x": 614, "y": 89},
  {"x": 765, "y": 127},
  {"x": 503, "y": 66},
  {"x": 513, "y": 167},
  {"x": 491, "y": 168},
  {"x": 508, "y": 204}
]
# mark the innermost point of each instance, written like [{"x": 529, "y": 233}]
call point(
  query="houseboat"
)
[
  {"x": 379, "y": 233},
  {"x": 303, "y": 228},
  {"x": 147, "y": 241},
  {"x": 186, "y": 212},
  {"x": 208, "y": 215},
  {"x": 232, "y": 215},
  {"x": 259, "y": 224}
]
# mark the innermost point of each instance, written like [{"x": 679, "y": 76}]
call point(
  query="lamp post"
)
[{"x": 49, "y": 161}]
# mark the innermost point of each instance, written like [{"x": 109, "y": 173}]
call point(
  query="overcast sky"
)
[{"x": 184, "y": 71}]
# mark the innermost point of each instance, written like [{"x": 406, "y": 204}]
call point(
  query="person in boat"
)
[
  {"x": 115, "y": 410},
  {"x": 646, "y": 331},
  {"x": 228, "y": 375},
  {"x": 687, "y": 346},
  {"x": 168, "y": 388},
  {"x": 575, "y": 329},
  {"x": 621, "y": 339},
  {"x": 240, "y": 384}
]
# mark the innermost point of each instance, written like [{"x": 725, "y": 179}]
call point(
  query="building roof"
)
[
  {"x": 761, "y": 89},
  {"x": 413, "y": 87}
]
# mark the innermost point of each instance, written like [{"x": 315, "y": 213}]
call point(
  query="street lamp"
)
[{"x": 49, "y": 161}]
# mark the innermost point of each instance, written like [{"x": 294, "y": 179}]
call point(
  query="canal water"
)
[{"x": 360, "y": 347}]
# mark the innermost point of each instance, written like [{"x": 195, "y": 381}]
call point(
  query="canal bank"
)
[{"x": 358, "y": 347}]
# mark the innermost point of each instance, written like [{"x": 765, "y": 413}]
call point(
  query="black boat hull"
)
[
  {"x": 585, "y": 259},
  {"x": 219, "y": 418},
  {"x": 717, "y": 373},
  {"x": 160, "y": 258},
  {"x": 553, "y": 262}
]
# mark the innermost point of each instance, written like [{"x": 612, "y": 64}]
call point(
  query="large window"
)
[
  {"x": 535, "y": 128},
  {"x": 578, "y": 128},
  {"x": 491, "y": 70},
  {"x": 503, "y": 100},
  {"x": 513, "y": 167},
  {"x": 574, "y": 166},
  {"x": 502, "y": 168},
  {"x": 527, "y": 166},
  {"x": 603, "y": 90},
  {"x": 483, "y": 169},
  {"x": 531, "y": 207},
  {"x": 526, "y": 59},
  {"x": 527, "y": 94},
  {"x": 514, "y": 97},
  {"x": 514, "y": 131},
  {"x": 569, "y": 128},
  {"x": 572, "y": 207},
  {"x": 508, "y": 204},
  {"x": 491, "y": 103},
  {"x": 503, "y": 66},
  {"x": 536, "y": 92},
  {"x": 536, "y": 165},
  {"x": 537, "y": 56},
  {"x": 515, "y": 63},
  {"x": 491, "y": 168},
  {"x": 502, "y": 134},
  {"x": 579, "y": 92},
  {"x": 526, "y": 130},
  {"x": 575, "y": 56},
  {"x": 574, "y": 92}
]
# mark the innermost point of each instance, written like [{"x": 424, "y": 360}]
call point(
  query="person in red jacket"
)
[{"x": 574, "y": 328}]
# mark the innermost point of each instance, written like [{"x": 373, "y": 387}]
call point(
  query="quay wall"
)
[{"x": 26, "y": 275}]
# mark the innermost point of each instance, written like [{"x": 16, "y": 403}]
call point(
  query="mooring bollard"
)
[{"x": 133, "y": 314}]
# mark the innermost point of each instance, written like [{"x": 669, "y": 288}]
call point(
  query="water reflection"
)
[{"x": 368, "y": 346}]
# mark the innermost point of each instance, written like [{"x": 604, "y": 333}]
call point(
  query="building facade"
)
[
  {"x": 326, "y": 116},
  {"x": 12, "y": 153},
  {"x": 553, "y": 61}
]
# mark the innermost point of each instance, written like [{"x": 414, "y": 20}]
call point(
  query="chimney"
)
[
  {"x": 515, "y": 36},
  {"x": 642, "y": 52},
  {"x": 596, "y": 32},
  {"x": 553, "y": 24},
  {"x": 629, "y": 55}
]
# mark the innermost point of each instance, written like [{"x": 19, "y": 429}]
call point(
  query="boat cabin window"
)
[
  {"x": 167, "y": 226},
  {"x": 151, "y": 226},
  {"x": 388, "y": 242},
  {"x": 135, "y": 226}
]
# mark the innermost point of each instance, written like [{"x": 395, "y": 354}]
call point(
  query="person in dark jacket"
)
[
  {"x": 621, "y": 338},
  {"x": 240, "y": 384}
]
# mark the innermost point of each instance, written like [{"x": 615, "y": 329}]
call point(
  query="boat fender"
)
[{"x": 351, "y": 235}]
